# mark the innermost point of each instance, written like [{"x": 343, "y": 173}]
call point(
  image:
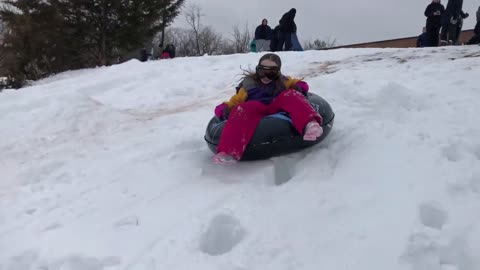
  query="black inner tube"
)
[{"x": 275, "y": 136}]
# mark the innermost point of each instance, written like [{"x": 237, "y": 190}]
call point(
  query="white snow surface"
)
[{"x": 107, "y": 168}]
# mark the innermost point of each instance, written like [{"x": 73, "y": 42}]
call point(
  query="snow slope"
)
[{"x": 107, "y": 168}]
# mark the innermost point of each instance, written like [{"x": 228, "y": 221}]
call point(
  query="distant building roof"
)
[{"x": 406, "y": 42}]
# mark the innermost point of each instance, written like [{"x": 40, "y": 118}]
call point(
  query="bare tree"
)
[
  {"x": 183, "y": 39},
  {"x": 201, "y": 39},
  {"x": 194, "y": 15},
  {"x": 2, "y": 52},
  {"x": 198, "y": 39},
  {"x": 210, "y": 41},
  {"x": 226, "y": 47},
  {"x": 2, "y": 33},
  {"x": 3, "y": 29},
  {"x": 241, "y": 39},
  {"x": 318, "y": 44}
]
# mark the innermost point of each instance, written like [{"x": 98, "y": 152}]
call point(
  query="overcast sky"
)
[{"x": 347, "y": 21}]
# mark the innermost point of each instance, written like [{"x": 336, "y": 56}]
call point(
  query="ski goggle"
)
[{"x": 271, "y": 73}]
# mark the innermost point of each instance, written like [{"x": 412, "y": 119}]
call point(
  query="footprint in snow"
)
[
  {"x": 223, "y": 233},
  {"x": 432, "y": 215},
  {"x": 452, "y": 153}
]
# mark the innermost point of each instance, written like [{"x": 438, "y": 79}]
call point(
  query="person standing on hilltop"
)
[
  {"x": 286, "y": 28},
  {"x": 452, "y": 21},
  {"x": 263, "y": 35},
  {"x": 433, "y": 12}
]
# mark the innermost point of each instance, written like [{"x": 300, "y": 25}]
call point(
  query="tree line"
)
[
  {"x": 200, "y": 39},
  {"x": 39, "y": 38},
  {"x": 44, "y": 37}
]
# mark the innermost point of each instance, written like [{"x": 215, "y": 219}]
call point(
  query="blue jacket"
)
[{"x": 422, "y": 40}]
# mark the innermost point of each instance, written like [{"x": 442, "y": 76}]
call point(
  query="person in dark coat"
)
[
  {"x": 144, "y": 55},
  {"x": 476, "y": 32},
  {"x": 168, "y": 52},
  {"x": 274, "y": 39},
  {"x": 263, "y": 35},
  {"x": 452, "y": 21},
  {"x": 287, "y": 27},
  {"x": 433, "y": 12},
  {"x": 422, "y": 40}
]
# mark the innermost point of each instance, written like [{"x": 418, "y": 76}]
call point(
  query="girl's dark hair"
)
[{"x": 279, "y": 85}]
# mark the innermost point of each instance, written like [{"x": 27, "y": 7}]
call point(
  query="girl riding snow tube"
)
[{"x": 270, "y": 114}]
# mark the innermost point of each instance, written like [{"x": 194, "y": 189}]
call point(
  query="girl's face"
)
[{"x": 267, "y": 67}]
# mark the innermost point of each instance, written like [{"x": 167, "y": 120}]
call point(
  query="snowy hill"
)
[{"x": 107, "y": 168}]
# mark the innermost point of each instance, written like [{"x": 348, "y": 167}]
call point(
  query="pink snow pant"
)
[{"x": 245, "y": 117}]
